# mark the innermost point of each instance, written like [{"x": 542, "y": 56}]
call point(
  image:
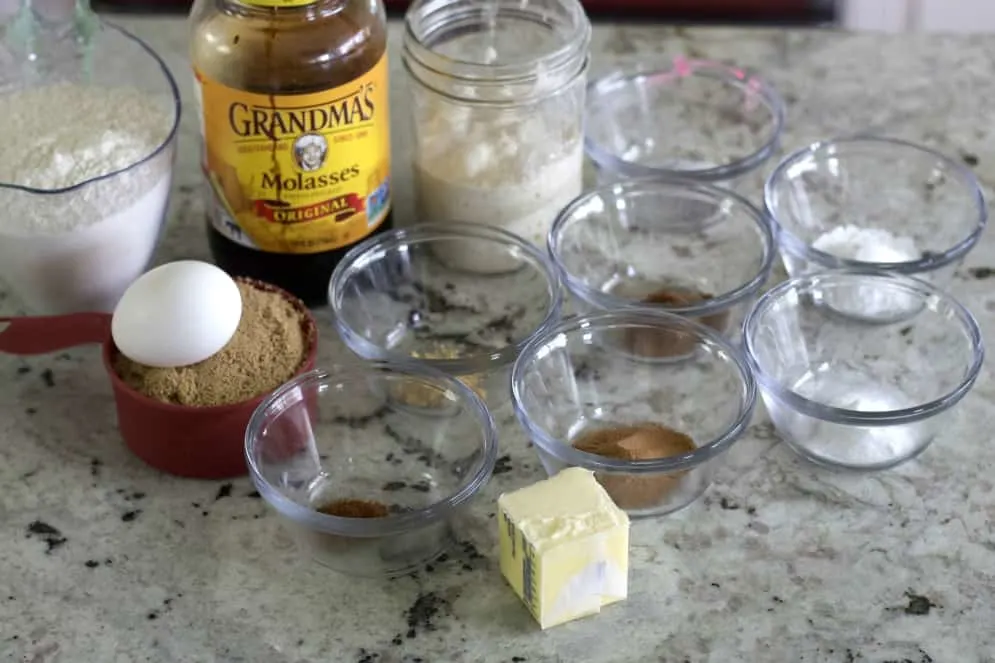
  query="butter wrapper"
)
[{"x": 564, "y": 547}]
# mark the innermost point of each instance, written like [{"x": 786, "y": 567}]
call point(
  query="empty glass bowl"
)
[
  {"x": 463, "y": 298},
  {"x": 875, "y": 203},
  {"x": 695, "y": 118},
  {"x": 638, "y": 369},
  {"x": 369, "y": 465},
  {"x": 688, "y": 248},
  {"x": 849, "y": 394}
]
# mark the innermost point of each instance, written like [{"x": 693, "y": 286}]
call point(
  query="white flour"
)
[
  {"x": 510, "y": 171},
  {"x": 869, "y": 245},
  {"x": 80, "y": 249}
]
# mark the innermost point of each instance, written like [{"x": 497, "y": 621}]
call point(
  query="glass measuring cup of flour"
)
[
  {"x": 875, "y": 204},
  {"x": 695, "y": 119},
  {"x": 497, "y": 109},
  {"x": 77, "y": 226}
]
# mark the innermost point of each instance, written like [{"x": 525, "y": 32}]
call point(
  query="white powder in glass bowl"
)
[
  {"x": 867, "y": 245},
  {"x": 877, "y": 248},
  {"x": 80, "y": 249}
]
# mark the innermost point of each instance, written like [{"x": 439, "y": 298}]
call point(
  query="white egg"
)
[{"x": 177, "y": 314}]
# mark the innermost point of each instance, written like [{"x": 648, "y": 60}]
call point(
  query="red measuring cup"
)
[{"x": 188, "y": 441}]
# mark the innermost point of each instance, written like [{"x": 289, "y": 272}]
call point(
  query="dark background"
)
[{"x": 776, "y": 12}]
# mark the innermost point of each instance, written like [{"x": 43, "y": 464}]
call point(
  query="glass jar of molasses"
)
[{"x": 296, "y": 138}]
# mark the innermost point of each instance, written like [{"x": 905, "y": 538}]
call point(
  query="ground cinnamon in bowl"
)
[
  {"x": 636, "y": 442},
  {"x": 268, "y": 348},
  {"x": 351, "y": 508},
  {"x": 673, "y": 342}
]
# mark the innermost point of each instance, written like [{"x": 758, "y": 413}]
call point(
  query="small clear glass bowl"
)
[
  {"x": 698, "y": 119},
  {"x": 463, "y": 298},
  {"x": 407, "y": 438},
  {"x": 847, "y": 394},
  {"x": 629, "y": 368},
  {"x": 933, "y": 205},
  {"x": 688, "y": 248}
]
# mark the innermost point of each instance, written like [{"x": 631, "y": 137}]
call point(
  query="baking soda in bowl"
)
[
  {"x": 65, "y": 249},
  {"x": 877, "y": 248}
]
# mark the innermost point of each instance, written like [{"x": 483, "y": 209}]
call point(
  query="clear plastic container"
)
[
  {"x": 78, "y": 247},
  {"x": 406, "y": 296},
  {"x": 407, "y": 443},
  {"x": 696, "y": 119},
  {"x": 631, "y": 368},
  {"x": 851, "y": 395},
  {"x": 497, "y": 110},
  {"x": 686, "y": 247},
  {"x": 910, "y": 209}
]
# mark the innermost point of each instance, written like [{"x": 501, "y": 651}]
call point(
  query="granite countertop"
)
[{"x": 779, "y": 562}]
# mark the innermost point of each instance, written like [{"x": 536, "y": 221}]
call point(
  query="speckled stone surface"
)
[{"x": 780, "y": 561}]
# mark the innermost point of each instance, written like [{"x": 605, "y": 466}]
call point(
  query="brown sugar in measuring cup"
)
[
  {"x": 265, "y": 351},
  {"x": 647, "y": 441},
  {"x": 206, "y": 442},
  {"x": 661, "y": 342},
  {"x": 195, "y": 441}
]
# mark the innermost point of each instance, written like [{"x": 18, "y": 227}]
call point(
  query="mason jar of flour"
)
[{"x": 497, "y": 109}]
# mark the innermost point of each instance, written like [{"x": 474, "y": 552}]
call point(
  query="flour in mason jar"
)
[
  {"x": 68, "y": 249},
  {"x": 507, "y": 171}
]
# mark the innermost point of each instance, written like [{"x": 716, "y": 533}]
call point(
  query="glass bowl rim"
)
[
  {"x": 923, "y": 290},
  {"x": 738, "y": 77},
  {"x": 792, "y": 244},
  {"x": 394, "y": 523},
  {"x": 373, "y": 248},
  {"x": 605, "y": 301},
  {"x": 177, "y": 111},
  {"x": 565, "y": 453}
]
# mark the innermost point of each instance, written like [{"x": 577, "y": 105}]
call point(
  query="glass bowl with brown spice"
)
[
  {"x": 367, "y": 483},
  {"x": 463, "y": 298},
  {"x": 679, "y": 246},
  {"x": 653, "y": 429}
]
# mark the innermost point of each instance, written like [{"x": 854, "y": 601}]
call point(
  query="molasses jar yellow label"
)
[{"x": 298, "y": 173}]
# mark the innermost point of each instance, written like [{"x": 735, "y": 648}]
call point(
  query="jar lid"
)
[{"x": 542, "y": 44}]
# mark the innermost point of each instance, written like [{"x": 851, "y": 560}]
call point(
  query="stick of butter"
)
[{"x": 564, "y": 547}]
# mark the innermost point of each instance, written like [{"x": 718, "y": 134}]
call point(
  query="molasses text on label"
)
[
  {"x": 302, "y": 182},
  {"x": 255, "y": 121}
]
